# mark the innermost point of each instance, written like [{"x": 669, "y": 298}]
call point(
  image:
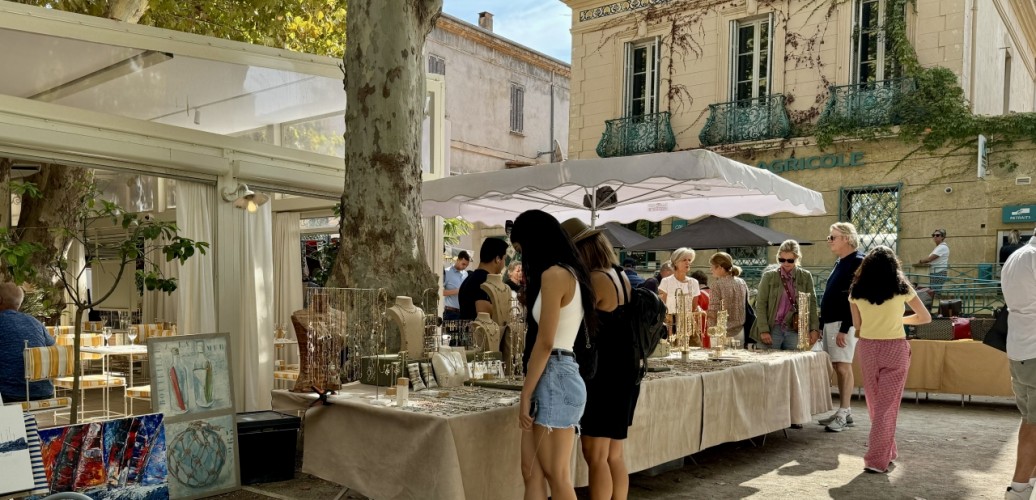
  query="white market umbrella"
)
[{"x": 685, "y": 184}]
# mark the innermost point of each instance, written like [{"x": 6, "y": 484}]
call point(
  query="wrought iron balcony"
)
[
  {"x": 636, "y": 135},
  {"x": 871, "y": 104},
  {"x": 746, "y": 120}
]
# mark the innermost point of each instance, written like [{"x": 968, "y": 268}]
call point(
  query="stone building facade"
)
[
  {"x": 506, "y": 104},
  {"x": 746, "y": 77}
]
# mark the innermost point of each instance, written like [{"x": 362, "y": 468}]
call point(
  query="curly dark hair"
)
[{"x": 879, "y": 277}]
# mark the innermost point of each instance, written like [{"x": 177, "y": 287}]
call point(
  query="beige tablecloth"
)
[
  {"x": 387, "y": 453},
  {"x": 954, "y": 367}
]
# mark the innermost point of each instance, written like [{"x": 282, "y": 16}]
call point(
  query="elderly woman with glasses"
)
[{"x": 776, "y": 305}]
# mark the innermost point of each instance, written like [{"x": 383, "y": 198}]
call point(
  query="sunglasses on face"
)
[
  {"x": 785, "y": 261},
  {"x": 832, "y": 238},
  {"x": 936, "y": 235}
]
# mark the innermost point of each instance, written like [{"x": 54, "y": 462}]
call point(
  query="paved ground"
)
[{"x": 946, "y": 452}]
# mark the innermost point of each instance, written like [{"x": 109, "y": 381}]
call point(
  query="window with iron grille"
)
[
  {"x": 517, "y": 108},
  {"x": 436, "y": 65},
  {"x": 872, "y": 47},
  {"x": 750, "y": 256},
  {"x": 874, "y": 210}
]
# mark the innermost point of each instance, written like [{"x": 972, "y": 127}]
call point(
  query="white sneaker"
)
[
  {"x": 1013, "y": 494},
  {"x": 828, "y": 420},
  {"x": 838, "y": 424}
]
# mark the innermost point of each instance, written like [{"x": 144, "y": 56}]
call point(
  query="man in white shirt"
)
[
  {"x": 1018, "y": 280},
  {"x": 939, "y": 260}
]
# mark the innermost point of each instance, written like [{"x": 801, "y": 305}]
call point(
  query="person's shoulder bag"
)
[{"x": 996, "y": 337}]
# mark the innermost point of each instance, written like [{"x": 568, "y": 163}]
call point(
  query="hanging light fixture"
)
[{"x": 244, "y": 198}]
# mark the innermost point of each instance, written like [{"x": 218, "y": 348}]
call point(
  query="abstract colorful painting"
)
[
  {"x": 121, "y": 459},
  {"x": 15, "y": 462},
  {"x": 190, "y": 375},
  {"x": 202, "y": 457}
]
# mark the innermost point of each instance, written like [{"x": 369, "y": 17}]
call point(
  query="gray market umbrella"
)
[
  {"x": 621, "y": 237},
  {"x": 717, "y": 232}
]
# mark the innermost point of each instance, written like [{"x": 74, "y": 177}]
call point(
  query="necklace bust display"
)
[
  {"x": 409, "y": 320},
  {"x": 487, "y": 333},
  {"x": 499, "y": 296},
  {"x": 318, "y": 330}
]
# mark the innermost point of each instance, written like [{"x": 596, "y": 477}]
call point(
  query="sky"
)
[{"x": 542, "y": 25}]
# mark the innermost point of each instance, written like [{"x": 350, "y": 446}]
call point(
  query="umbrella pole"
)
[{"x": 593, "y": 209}]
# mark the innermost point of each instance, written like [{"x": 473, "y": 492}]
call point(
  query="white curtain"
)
[
  {"x": 257, "y": 312},
  {"x": 159, "y": 305},
  {"x": 196, "y": 311},
  {"x": 76, "y": 258},
  {"x": 287, "y": 276}
]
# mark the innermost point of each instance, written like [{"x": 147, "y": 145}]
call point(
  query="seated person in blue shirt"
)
[{"x": 15, "y": 329}]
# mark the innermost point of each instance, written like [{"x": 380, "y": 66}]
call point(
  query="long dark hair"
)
[
  {"x": 545, "y": 244},
  {"x": 879, "y": 277}
]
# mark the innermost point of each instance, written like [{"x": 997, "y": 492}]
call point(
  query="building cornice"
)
[
  {"x": 1025, "y": 13},
  {"x": 489, "y": 39}
]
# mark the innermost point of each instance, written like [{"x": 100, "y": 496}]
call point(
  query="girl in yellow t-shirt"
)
[{"x": 876, "y": 298}]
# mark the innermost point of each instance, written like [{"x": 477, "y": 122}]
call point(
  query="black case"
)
[{"x": 267, "y": 445}]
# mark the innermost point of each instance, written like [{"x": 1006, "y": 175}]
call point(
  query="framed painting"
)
[
  {"x": 190, "y": 375},
  {"x": 202, "y": 457},
  {"x": 15, "y": 461}
]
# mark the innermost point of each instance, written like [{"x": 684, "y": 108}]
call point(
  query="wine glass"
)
[
  {"x": 132, "y": 334},
  {"x": 106, "y": 332}
]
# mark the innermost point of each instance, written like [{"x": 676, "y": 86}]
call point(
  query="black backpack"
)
[{"x": 646, "y": 313}]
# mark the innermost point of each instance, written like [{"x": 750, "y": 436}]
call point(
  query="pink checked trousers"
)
[{"x": 884, "y": 364}]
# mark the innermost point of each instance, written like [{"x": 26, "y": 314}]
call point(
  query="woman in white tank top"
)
[{"x": 554, "y": 395}]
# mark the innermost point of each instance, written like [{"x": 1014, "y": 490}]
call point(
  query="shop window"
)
[
  {"x": 873, "y": 60},
  {"x": 641, "y": 74},
  {"x": 874, "y": 210},
  {"x": 751, "y": 59},
  {"x": 750, "y": 256}
]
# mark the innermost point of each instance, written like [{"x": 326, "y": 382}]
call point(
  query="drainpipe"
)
[
  {"x": 550, "y": 147},
  {"x": 971, "y": 65}
]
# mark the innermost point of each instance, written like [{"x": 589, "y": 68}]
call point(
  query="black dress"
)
[{"x": 611, "y": 396}]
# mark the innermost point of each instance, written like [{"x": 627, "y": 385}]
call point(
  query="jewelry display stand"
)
[
  {"x": 486, "y": 334},
  {"x": 500, "y": 297},
  {"x": 409, "y": 321},
  {"x": 319, "y": 330}
]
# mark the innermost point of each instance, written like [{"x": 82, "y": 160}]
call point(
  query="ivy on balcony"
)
[
  {"x": 869, "y": 104},
  {"x": 746, "y": 120},
  {"x": 635, "y": 135}
]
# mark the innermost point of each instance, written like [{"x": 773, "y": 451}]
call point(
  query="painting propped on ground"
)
[
  {"x": 122, "y": 459},
  {"x": 202, "y": 457},
  {"x": 190, "y": 375},
  {"x": 15, "y": 463}
]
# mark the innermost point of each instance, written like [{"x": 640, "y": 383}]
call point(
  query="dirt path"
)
[{"x": 946, "y": 452}]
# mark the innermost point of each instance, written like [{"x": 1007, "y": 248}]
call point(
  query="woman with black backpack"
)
[{"x": 612, "y": 393}]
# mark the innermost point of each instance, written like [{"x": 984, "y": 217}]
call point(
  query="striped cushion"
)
[
  {"x": 285, "y": 375},
  {"x": 140, "y": 392},
  {"x": 85, "y": 340},
  {"x": 39, "y": 474},
  {"x": 48, "y": 362},
  {"x": 162, "y": 333},
  {"x": 91, "y": 381},
  {"x": 46, "y": 404},
  {"x": 92, "y": 326}
]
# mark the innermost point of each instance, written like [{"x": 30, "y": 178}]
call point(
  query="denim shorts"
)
[{"x": 560, "y": 395}]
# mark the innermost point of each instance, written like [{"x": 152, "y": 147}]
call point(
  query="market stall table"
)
[
  {"x": 465, "y": 444},
  {"x": 965, "y": 367}
]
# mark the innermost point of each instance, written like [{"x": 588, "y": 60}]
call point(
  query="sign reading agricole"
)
[{"x": 854, "y": 159}]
